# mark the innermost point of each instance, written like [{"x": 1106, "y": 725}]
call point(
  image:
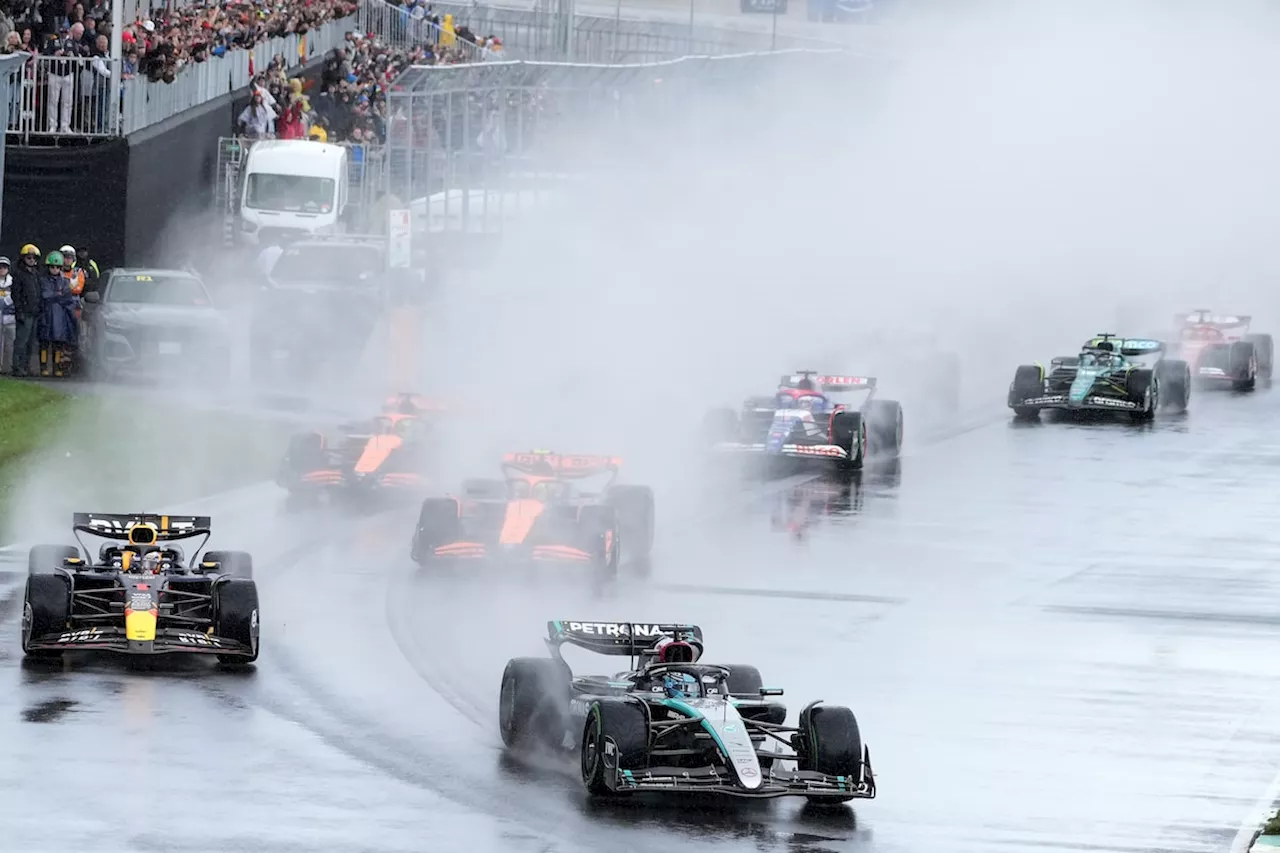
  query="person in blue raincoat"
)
[{"x": 58, "y": 328}]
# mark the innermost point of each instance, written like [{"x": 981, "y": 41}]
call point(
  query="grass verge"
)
[{"x": 61, "y": 453}]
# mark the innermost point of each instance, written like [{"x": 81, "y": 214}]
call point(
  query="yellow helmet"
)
[{"x": 31, "y": 249}]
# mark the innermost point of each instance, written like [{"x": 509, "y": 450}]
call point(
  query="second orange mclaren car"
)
[{"x": 539, "y": 514}]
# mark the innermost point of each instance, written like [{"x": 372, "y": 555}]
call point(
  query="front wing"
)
[
  {"x": 1091, "y": 403},
  {"x": 777, "y": 783},
  {"x": 492, "y": 554},
  {"x": 793, "y": 451},
  {"x": 167, "y": 641}
]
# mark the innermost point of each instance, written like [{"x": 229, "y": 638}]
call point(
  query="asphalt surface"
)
[{"x": 1057, "y": 636}]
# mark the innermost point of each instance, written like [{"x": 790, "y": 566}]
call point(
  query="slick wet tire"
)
[
  {"x": 849, "y": 431},
  {"x": 437, "y": 525},
  {"x": 1028, "y": 383},
  {"x": 626, "y": 725},
  {"x": 1244, "y": 366},
  {"x": 885, "y": 426},
  {"x": 236, "y": 617},
  {"x": 1264, "y": 347},
  {"x": 721, "y": 425},
  {"x": 744, "y": 680},
  {"x": 1140, "y": 384},
  {"x": 635, "y": 509},
  {"x": 234, "y": 564},
  {"x": 306, "y": 453},
  {"x": 829, "y": 742},
  {"x": 44, "y": 559},
  {"x": 1175, "y": 384},
  {"x": 533, "y": 703},
  {"x": 599, "y": 525},
  {"x": 46, "y": 605}
]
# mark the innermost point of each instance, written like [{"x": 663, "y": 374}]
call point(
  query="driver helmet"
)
[
  {"x": 680, "y": 685},
  {"x": 151, "y": 562}
]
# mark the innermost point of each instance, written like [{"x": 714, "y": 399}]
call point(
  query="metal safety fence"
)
[
  {"x": 554, "y": 34},
  {"x": 469, "y": 148},
  {"x": 60, "y": 96},
  {"x": 397, "y": 27}
]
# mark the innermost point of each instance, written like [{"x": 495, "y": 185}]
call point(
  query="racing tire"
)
[
  {"x": 599, "y": 524},
  {"x": 533, "y": 703},
  {"x": 1028, "y": 383},
  {"x": 233, "y": 564},
  {"x": 885, "y": 417},
  {"x": 744, "y": 680},
  {"x": 624, "y": 722},
  {"x": 635, "y": 509},
  {"x": 236, "y": 617},
  {"x": 46, "y": 559},
  {"x": 305, "y": 454},
  {"x": 1244, "y": 366},
  {"x": 1175, "y": 384},
  {"x": 493, "y": 490},
  {"x": 849, "y": 431},
  {"x": 437, "y": 525},
  {"x": 46, "y": 607},
  {"x": 1264, "y": 347},
  {"x": 829, "y": 742},
  {"x": 721, "y": 425},
  {"x": 1143, "y": 386}
]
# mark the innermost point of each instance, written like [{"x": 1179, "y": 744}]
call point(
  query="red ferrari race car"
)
[
  {"x": 1220, "y": 349},
  {"x": 538, "y": 514}
]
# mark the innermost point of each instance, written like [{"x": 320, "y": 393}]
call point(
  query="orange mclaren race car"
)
[
  {"x": 539, "y": 514},
  {"x": 385, "y": 454}
]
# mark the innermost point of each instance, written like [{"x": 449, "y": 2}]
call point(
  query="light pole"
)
[
  {"x": 773, "y": 38},
  {"x": 691, "y": 26}
]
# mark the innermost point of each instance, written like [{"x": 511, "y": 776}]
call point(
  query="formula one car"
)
[
  {"x": 672, "y": 723},
  {"x": 800, "y": 421},
  {"x": 387, "y": 453},
  {"x": 537, "y": 514},
  {"x": 139, "y": 597},
  {"x": 1221, "y": 351},
  {"x": 1129, "y": 376}
]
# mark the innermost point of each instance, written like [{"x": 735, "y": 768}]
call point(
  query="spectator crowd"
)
[
  {"x": 351, "y": 104},
  {"x": 73, "y": 80}
]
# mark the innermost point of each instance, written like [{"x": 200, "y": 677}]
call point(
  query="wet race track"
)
[{"x": 1055, "y": 636}]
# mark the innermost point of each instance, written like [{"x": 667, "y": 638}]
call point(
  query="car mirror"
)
[
  {"x": 93, "y": 297},
  {"x": 770, "y": 691}
]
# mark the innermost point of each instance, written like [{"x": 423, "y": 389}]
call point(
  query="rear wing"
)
[
  {"x": 120, "y": 525},
  {"x": 1204, "y": 317},
  {"x": 557, "y": 465},
  {"x": 828, "y": 383},
  {"x": 618, "y": 638}
]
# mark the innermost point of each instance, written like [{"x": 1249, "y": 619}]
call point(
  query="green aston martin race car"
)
[{"x": 1125, "y": 375}]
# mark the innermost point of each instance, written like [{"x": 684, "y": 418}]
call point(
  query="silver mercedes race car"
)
[{"x": 672, "y": 723}]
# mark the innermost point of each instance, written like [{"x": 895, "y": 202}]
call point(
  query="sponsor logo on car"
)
[
  {"x": 615, "y": 629},
  {"x": 1112, "y": 402},
  {"x": 81, "y": 636}
]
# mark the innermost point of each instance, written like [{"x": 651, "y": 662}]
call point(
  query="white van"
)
[{"x": 292, "y": 187}]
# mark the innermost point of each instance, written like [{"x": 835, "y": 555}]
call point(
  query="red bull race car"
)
[
  {"x": 802, "y": 420},
  {"x": 538, "y": 513},
  {"x": 385, "y": 454},
  {"x": 1220, "y": 349},
  {"x": 140, "y": 596}
]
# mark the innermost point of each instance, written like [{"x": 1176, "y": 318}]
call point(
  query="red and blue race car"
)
[{"x": 802, "y": 420}]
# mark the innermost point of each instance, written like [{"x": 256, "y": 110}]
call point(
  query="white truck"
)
[{"x": 292, "y": 189}]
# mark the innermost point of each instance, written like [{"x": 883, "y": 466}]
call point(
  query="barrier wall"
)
[
  {"x": 140, "y": 200},
  {"x": 54, "y": 196}
]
